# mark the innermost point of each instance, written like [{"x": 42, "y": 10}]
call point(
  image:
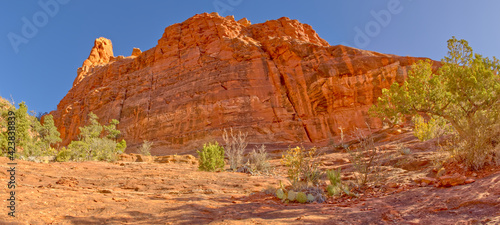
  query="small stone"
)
[
  {"x": 469, "y": 181},
  {"x": 120, "y": 199},
  {"x": 392, "y": 185},
  {"x": 428, "y": 180},
  {"x": 452, "y": 180},
  {"x": 105, "y": 191}
]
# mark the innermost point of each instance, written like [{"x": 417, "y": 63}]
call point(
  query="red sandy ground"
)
[{"x": 154, "y": 193}]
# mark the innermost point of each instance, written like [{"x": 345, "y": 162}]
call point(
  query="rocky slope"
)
[{"x": 278, "y": 81}]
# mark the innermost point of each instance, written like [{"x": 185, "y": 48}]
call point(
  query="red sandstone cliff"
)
[{"x": 278, "y": 81}]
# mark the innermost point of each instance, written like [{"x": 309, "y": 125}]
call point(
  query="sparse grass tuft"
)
[{"x": 146, "y": 148}]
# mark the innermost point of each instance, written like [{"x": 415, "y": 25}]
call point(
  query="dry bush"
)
[
  {"x": 481, "y": 147},
  {"x": 146, "y": 148},
  {"x": 235, "y": 146},
  {"x": 363, "y": 159},
  {"x": 259, "y": 160},
  {"x": 402, "y": 149}
]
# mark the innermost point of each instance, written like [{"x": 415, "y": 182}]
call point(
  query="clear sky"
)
[{"x": 42, "y": 69}]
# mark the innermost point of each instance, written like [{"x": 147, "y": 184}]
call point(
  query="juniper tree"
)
[{"x": 465, "y": 91}]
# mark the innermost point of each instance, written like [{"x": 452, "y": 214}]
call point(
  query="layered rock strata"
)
[{"x": 278, "y": 81}]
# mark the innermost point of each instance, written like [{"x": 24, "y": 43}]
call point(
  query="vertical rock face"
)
[
  {"x": 101, "y": 54},
  {"x": 278, "y": 81}
]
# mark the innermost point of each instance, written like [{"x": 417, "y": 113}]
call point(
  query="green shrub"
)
[
  {"x": 92, "y": 146},
  {"x": 64, "y": 155},
  {"x": 79, "y": 151},
  {"x": 334, "y": 177},
  {"x": 433, "y": 128},
  {"x": 464, "y": 91},
  {"x": 335, "y": 186},
  {"x": 105, "y": 150},
  {"x": 293, "y": 160},
  {"x": 33, "y": 139},
  {"x": 121, "y": 146},
  {"x": 211, "y": 157},
  {"x": 302, "y": 166}
]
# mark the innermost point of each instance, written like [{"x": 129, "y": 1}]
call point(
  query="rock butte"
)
[{"x": 278, "y": 81}]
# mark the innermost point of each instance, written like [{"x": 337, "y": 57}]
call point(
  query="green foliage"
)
[
  {"x": 48, "y": 134},
  {"x": 104, "y": 149},
  {"x": 312, "y": 174},
  {"x": 334, "y": 177},
  {"x": 121, "y": 146},
  {"x": 93, "y": 130},
  {"x": 80, "y": 150},
  {"x": 111, "y": 131},
  {"x": 280, "y": 193},
  {"x": 433, "y": 128},
  {"x": 32, "y": 138},
  {"x": 465, "y": 92},
  {"x": 293, "y": 160},
  {"x": 23, "y": 126},
  {"x": 64, "y": 155},
  {"x": 333, "y": 190},
  {"x": 335, "y": 186},
  {"x": 211, "y": 157},
  {"x": 306, "y": 195},
  {"x": 92, "y": 146},
  {"x": 302, "y": 166},
  {"x": 146, "y": 148},
  {"x": 301, "y": 197}
]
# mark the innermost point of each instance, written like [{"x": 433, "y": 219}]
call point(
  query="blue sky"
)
[{"x": 43, "y": 69}]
